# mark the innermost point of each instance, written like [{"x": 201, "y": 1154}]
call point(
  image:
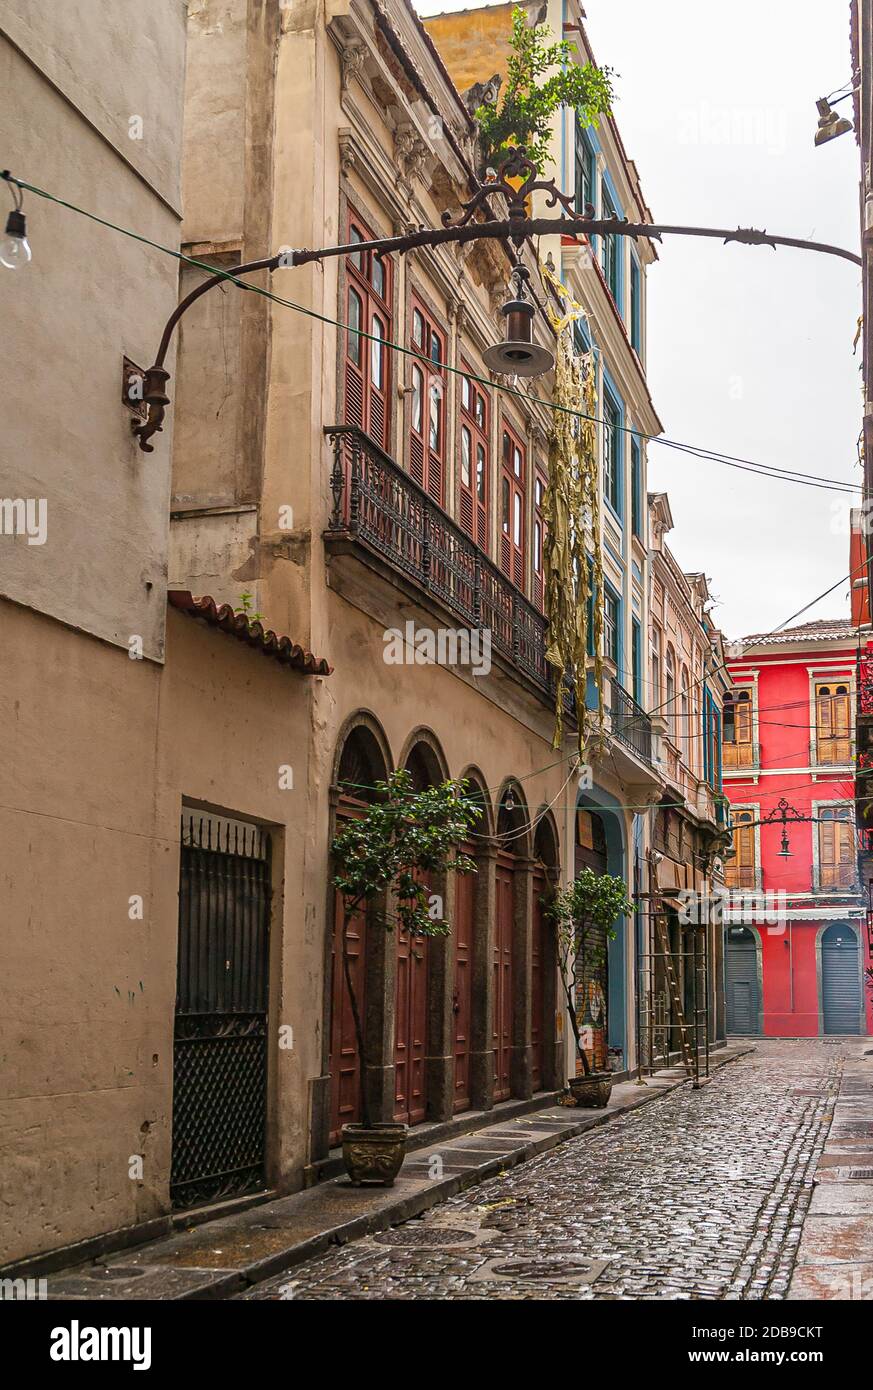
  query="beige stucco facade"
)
[{"x": 294, "y": 479}]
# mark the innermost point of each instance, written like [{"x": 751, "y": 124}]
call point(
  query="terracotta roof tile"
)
[
  {"x": 222, "y": 616},
  {"x": 823, "y": 630}
]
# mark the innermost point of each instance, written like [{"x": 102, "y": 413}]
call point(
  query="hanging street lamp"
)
[{"x": 513, "y": 184}]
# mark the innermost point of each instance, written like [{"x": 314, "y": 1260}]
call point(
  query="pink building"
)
[{"x": 796, "y": 942}]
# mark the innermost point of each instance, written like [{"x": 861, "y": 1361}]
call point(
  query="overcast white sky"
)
[{"x": 750, "y": 350}]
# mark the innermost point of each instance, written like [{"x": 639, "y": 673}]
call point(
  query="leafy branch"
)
[
  {"x": 530, "y": 98},
  {"x": 402, "y": 838}
]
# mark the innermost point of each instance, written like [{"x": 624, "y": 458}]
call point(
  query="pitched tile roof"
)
[
  {"x": 222, "y": 616},
  {"x": 823, "y": 630}
]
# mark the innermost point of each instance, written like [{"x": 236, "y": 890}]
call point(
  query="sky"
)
[{"x": 749, "y": 349}]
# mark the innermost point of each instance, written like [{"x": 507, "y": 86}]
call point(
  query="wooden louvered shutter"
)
[
  {"x": 740, "y": 871},
  {"x": 827, "y": 850},
  {"x": 354, "y": 354},
  {"x": 466, "y": 510},
  {"x": 416, "y": 426},
  {"x": 512, "y": 508},
  {"x": 539, "y": 541},
  {"x": 473, "y": 470},
  {"x": 833, "y": 728}
]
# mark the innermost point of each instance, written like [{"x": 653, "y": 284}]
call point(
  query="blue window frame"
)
[
  {"x": 610, "y": 247},
  {"x": 611, "y": 625},
  {"x": 612, "y": 452},
  {"x": 636, "y": 306},
  {"x": 636, "y": 489},
  {"x": 637, "y": 660},
  {"x": 585, "y": 171}
]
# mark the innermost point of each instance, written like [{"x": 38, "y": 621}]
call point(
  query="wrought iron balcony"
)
[
  {"x": 379, "y": 505},
  {"x": 630, "y": 723}
]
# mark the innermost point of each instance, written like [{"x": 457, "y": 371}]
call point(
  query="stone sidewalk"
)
[
  {"x": 835, "y": 1257},
  {"x": 224, "y": 1257}
]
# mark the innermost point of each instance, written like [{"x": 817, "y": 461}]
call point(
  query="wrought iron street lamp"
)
[{"x": 514, "y": 184}]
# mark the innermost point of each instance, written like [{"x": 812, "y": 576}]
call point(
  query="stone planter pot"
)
[
  {"x": 591, "y": 1092},
  {"x": 374, "y": 1155}
]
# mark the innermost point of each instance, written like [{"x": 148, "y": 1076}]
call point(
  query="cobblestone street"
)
[{"x": 701, "y": 1194}]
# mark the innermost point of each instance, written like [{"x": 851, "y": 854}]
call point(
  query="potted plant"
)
[
  {"x": 386, "y": 855},
  {"x": 583, "y": 918}
]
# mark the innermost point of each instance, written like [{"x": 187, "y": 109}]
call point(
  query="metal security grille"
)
[
  {"x": 841, "y": 981},
  {"x": 220, "y": 1041}
]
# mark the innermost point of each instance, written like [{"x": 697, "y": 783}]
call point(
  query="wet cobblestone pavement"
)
[{"x": 701, "y": 1194}]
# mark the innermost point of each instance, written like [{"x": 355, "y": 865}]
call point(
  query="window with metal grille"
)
[{"x": 366, "y": 361}]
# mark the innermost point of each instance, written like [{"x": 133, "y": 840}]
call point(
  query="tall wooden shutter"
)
[
  {"x": 473, "y": 462},
  {"x": 740, "y": 872},
  {"x": 427, "y": 444},
  {"x": 833, "y": 726},
  {"x": 836, "y": 849},
  {"x": 512, "y": 507},
  {"x": 366, "y": 361}
]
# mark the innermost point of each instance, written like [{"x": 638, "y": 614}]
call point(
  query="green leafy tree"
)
[
  {"x": 530, "y": 97},
  {"x": 583, "y": 917},
  {"x": 403, "y": 837}
]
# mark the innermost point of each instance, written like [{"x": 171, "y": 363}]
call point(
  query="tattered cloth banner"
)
[{"x": 572, "y": 521}]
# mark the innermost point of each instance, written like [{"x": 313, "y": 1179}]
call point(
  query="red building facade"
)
[{"x": 796, "y": 940}]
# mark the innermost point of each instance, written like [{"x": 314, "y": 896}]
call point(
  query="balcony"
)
[
  {"x": 380, "y": 509},
  {"x": 629, "y": 723},
  {"x": 737, "y": 757}
]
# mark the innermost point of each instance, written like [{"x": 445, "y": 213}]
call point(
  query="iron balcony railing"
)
[
  {"x": 379, "y": 504},
  {"x": 630, "y": 723}
]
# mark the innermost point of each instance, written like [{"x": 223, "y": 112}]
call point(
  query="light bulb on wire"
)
[{"x": 15, "y": 249}]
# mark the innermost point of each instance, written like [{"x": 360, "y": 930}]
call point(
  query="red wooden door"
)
[
  {"x": 538, "y": 980},
  {"x": 462, "y": 998},
  {"x": 410, "y": 1029},
  {"x": 345, "y": 1072},
  {"x": 502, "y": 1013},
  {"x": 366, "y": 361},
  {"x": 427, "y": 418}
]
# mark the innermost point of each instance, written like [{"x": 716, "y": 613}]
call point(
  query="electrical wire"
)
[{"x": 766, "y": 470}]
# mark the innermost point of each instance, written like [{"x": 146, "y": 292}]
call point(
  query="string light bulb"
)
[{"x": 15, "y": 249}]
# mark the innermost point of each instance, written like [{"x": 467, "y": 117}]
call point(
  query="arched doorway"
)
[
  {"x": 742, "y": 991},
  {"x": 411, "y": 979},
  {"x": 469, "y": 890},
  {"x": 840, "y": 980},
  {"x": 362, "y": 763},
  {"x": 542, "y": 956},
  {"x": 512, "y": 841}
]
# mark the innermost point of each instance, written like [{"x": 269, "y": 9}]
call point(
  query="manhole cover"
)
[
  {"x": 569, "y": 1270},
  {"x": 865, "y": 1174},
  {"x": 425, "y": 1235}
]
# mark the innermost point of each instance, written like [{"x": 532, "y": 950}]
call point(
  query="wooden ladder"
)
[{"x": 675, "y": 994}]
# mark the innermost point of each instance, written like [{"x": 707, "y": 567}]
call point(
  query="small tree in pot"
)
[
  {"x": 403, "y": 837},
  {"x": 583, "y": 917}
]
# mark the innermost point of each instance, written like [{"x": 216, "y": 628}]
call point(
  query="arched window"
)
[{"x": 741, "y": 871}]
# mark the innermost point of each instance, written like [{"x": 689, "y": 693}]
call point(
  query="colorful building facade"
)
[{"x": 795, "y": 936}]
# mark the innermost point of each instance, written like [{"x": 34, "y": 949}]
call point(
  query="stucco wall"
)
[
  {"x": 90, "y": 297},
  {"x": 90, "y": 818}
]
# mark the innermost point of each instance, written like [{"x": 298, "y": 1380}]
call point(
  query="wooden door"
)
[
  {"x": 832, "y": 721},
  {"x": 836, "y": 848},
  {"x": 462, "y": 996},
  {"x": 366, "y": 360},
  {"x": 410, "y": 1029},
  {"x": 741, "y": 871},
  {"x": 502, "y": 966},
  {"x": 538, "y": 980},
  {"x": 473, "y": 472},
  {"x": 344, "y": 1067}
]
